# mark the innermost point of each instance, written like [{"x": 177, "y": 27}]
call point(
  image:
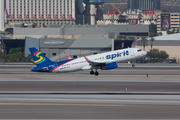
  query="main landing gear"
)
[{"x": 94, "y": 73}]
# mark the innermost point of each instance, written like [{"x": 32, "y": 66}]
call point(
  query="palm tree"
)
[
  {"x": 152, "y": 40},
  {"x": 143, "y": 40}
]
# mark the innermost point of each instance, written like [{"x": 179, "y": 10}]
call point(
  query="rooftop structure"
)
[{"x": 150, "y": 17}]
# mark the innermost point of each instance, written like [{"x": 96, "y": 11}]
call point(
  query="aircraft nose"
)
[{"x": 144, "y": 53}]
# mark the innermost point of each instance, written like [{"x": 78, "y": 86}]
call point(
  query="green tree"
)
[
  {"x": 2, "y": 55},
  {"x": 163, "y": 55},
  {"x": 143, "y": 40},
  {"x": 121, "y": 37},
  {"x": 168, "y": 32},
  {"x": 34, "y": 25},
  {"x": 152, "y": 40},
  {"x": 154, "y": 53},
  {"x": 177, "y": 30},
  {"x": 22, "y": 25},
  {"x": 44, "y": 25},
  {"x": 15, "y": 50},
  {"x": 159, "y": 34},
  {"x": 16, "y": 54}
]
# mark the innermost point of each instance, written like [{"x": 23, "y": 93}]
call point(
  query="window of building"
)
[
  {"x": 74, "y": 56},
  {"x": 44, "y": 53},
  {"x": 54, "y": 54}
]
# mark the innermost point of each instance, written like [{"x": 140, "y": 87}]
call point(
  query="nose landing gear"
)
[{"x": 133, "y": 65}]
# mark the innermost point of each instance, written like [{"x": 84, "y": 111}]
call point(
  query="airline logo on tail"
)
[{"x": 41, "y": 59}]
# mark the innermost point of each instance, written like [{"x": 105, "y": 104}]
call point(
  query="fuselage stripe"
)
[{"x": 61, "y": 65}]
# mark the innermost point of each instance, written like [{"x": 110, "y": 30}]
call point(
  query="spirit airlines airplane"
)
[{"x": 103, "y": 61}]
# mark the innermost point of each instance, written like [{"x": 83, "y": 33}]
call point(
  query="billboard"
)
[{"x": 165, "y": 21}]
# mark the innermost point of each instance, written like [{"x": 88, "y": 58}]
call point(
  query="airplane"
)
[{"x": 103, "y": 61}]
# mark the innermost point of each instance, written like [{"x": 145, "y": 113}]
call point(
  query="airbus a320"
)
[{"x": 103, "y": 61}]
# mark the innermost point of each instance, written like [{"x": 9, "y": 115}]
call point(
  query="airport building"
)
[{"x": 169, "y": 43}]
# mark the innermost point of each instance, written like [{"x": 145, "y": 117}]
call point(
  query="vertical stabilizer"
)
[{"x": 39, "y": 59}]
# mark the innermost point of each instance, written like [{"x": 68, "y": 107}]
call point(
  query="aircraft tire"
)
[
  {"x": 96, "y": 73},
  {"x": 92, "y": 72}
]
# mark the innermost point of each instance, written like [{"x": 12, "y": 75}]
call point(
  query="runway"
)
[
  {"x": 89, "y": 107},
  {"x": 123, "y": 93}
]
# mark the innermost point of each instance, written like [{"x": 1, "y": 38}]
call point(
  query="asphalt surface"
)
[
  {"x": 149, "y": 91},
  {"x": 89, "y": 107}
]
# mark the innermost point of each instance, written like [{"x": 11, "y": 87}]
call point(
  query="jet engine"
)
[{"x": 109, "y": 66}]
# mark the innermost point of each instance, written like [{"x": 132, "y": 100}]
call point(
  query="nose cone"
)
[{"x": 144, "y": 53}]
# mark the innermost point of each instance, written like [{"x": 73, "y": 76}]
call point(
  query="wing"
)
[{"x": 98, "y": 64}]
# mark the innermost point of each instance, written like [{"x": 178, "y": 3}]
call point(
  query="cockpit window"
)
[{"x": 139, "y": 50}]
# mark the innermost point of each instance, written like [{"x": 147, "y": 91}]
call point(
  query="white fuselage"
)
[{"x": 107, "y": 57}]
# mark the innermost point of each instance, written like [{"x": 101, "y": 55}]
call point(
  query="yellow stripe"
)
[{"x": 41, "y": 58}]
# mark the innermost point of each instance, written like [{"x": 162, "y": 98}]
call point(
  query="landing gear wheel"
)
[
  {"x": 92, "y": 72},
  {"x": 96, "y": 73},
  {"x": 133, "y": 65}
]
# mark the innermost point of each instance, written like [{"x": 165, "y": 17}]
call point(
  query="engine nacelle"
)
[{"x": 109, "y": 66}]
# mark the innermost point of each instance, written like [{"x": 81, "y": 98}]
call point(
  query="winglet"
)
[
  {"x": 67, "y": 55},
  {"x": 86, "y": 58}
]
